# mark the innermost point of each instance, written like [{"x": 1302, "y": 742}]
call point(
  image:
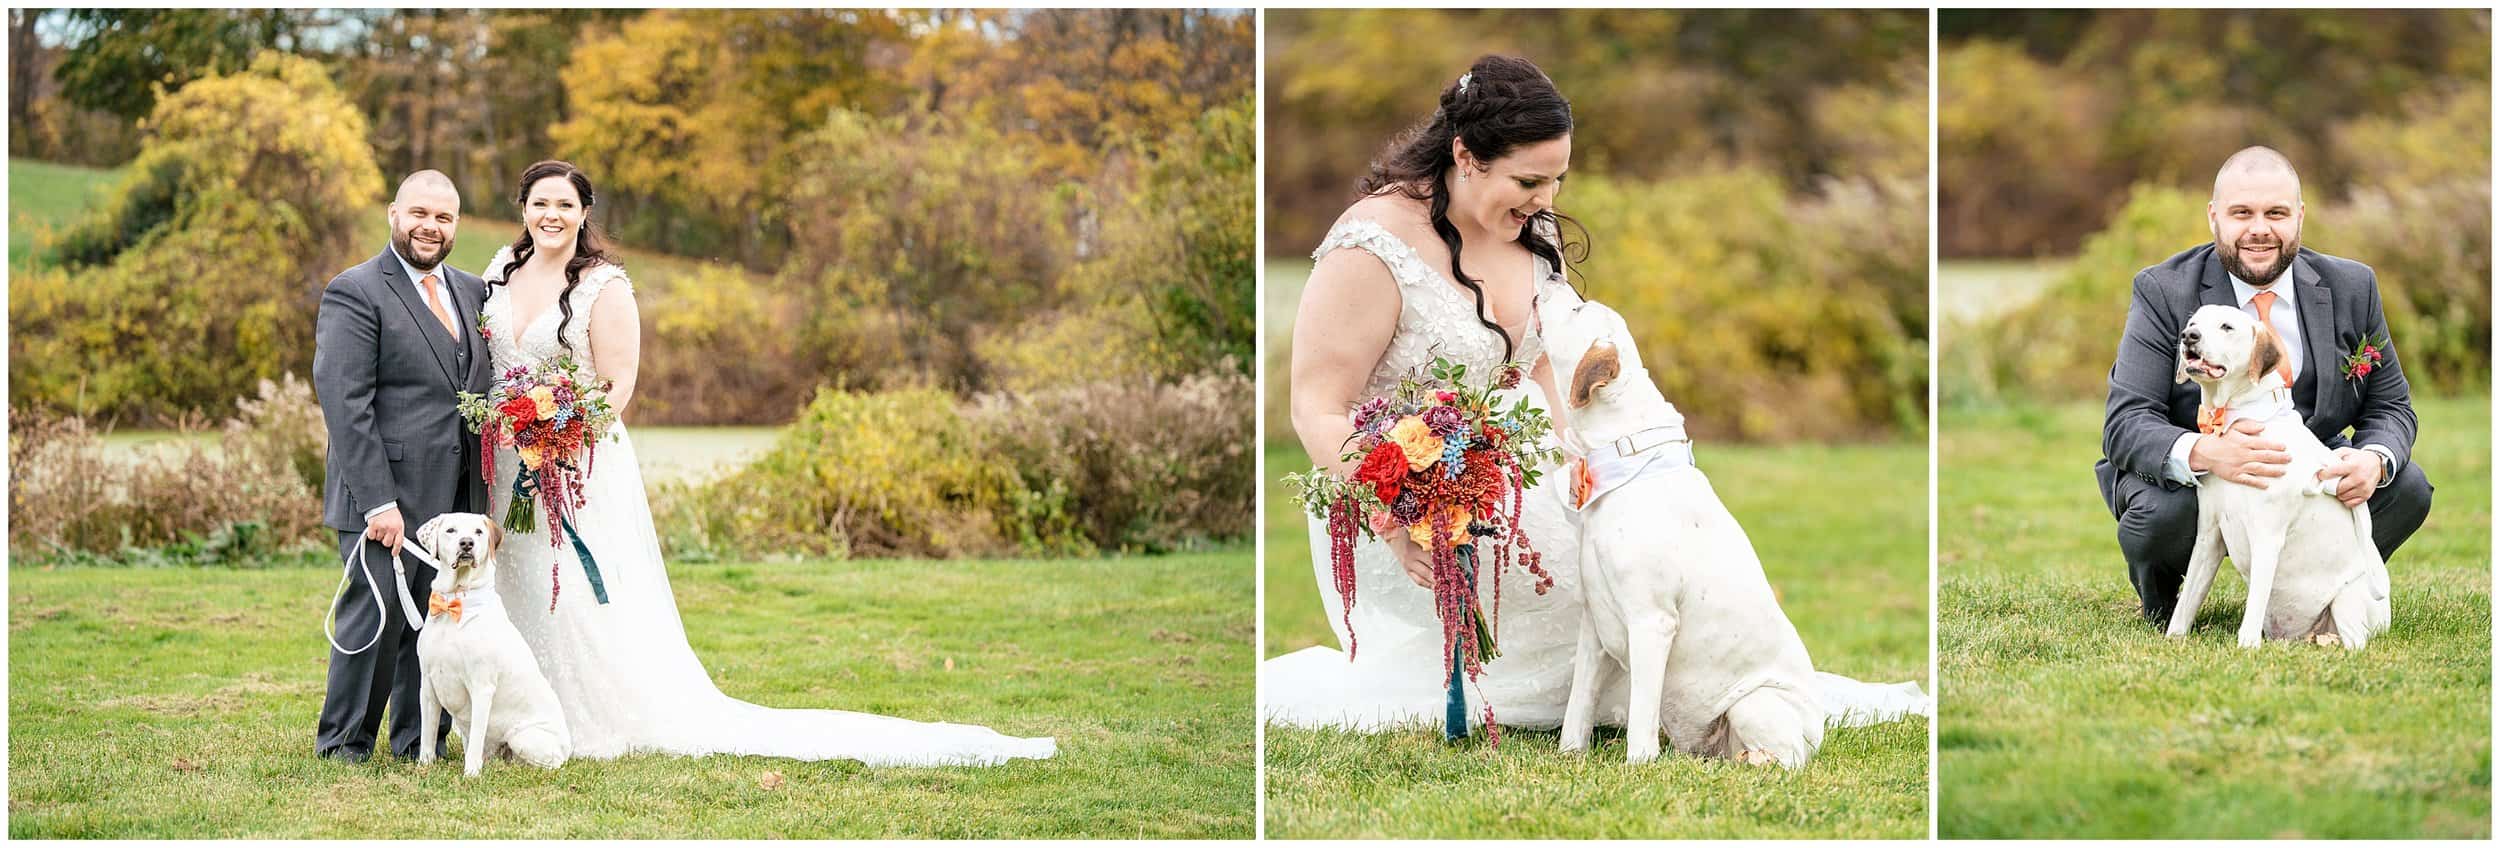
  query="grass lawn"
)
[
  {"x": 1842, "y": 531},
  {"x": 42, "y": 194},
  {"x": 2064, "y": 716},
  {"x": 180, "y": 703}
]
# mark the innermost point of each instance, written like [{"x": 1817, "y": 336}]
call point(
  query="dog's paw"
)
[
  {"x": 2327, "y": 640},
  {"x": 1757, "y": 757},
  {"x": 1638, "y": 753},
  {"x": 2251, "y": 639}
]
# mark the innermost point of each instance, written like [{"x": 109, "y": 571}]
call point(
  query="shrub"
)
[
  {"x": 1124, "y": 466},
  {"x": 197, "y": 500},
  {"x": 282, "y": 427},
  {"x": 1135, "y": 465},
  {"x": 898, "y": 473},
  {"x": 200, "y": 274}
]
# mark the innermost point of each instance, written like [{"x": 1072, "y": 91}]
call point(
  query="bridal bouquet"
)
[
  {"x": 1442, "y": 462},
  {"x": 553, "y": 416}
]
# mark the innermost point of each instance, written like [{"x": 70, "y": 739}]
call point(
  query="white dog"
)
[
  {"x": 475, "y": 665},
  {"x": 1674, "y": 591},
  {"x": 2311, "y": 568}
]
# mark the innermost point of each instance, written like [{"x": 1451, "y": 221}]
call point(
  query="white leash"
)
[{"x": 407, "y": 605}]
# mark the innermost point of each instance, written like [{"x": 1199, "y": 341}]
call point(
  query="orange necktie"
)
[
  {"x": 2264, "y": 301},
  {"x": 435, "y": 301}
]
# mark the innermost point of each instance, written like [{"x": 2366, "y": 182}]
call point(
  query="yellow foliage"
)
[{"x": 199, "y": 275}]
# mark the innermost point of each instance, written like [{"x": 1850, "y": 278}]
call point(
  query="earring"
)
[{"x": 1462, "y": 175}]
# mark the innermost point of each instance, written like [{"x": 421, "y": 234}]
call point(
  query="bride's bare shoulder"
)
[{"x": 1399, "y": 214}]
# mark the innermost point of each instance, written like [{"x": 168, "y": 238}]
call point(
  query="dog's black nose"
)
[{"x": 2190, "y": 335}]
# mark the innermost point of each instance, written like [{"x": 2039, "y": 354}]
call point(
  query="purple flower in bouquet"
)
[
  {"x": 1445, "y": 421},
  {"x": 1371, "y": 415},
  {"x": 1409, "y": 508}
]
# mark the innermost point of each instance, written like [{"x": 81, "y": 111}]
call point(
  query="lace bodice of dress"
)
[
  {"x": 1436, "y": 317},
  {"x": 536, "y": 343}
]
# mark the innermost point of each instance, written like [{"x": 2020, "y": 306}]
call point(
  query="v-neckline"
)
[{"x": 515, "y": 303}]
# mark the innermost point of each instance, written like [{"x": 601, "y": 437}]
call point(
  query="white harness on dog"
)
[
  {"x": 1643, "y": 453},
  {"x": 407, "y": 605}
]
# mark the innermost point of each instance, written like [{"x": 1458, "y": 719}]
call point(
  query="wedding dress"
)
[
  {"x": 623, "y": 671},
  {"x": 1396, "y": 678}
]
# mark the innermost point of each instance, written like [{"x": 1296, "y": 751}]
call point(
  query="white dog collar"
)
[
  {"x": 2266, "y": 407},
  {"x": 1604, "y": 470},
  {"x": 1641, "y": 441}
]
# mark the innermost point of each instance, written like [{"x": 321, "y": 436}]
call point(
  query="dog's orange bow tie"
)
[
  {"x": 2210, "y": 420},
  {"x": 435, "y": 605},
  {"x": 1583, "y": 483}
]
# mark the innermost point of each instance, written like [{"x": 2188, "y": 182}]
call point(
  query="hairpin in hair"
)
[{"x": 1463, "y": 79}]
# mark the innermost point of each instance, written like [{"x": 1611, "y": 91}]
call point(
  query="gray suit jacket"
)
[
  {"x": 388, "y": 378},
  {"x": 2339, "y": 306}
]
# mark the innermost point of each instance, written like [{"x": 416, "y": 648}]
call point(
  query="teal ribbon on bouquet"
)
[
  {"x": 523, "y": 517},
  {"x": 1454, "y": 720}
]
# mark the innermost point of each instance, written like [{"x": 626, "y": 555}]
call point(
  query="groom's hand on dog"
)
[
  {"x": 387, "y": 528},
  {"x": 2240, "y": 455},
  {"x": 1417, "y": 560},
  {"x": 2360, "y": 470}
]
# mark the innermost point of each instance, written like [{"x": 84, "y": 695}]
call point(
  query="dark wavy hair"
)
[
  {"x": 589, "y": 248},
  {"x": 1507, "y": 103}
]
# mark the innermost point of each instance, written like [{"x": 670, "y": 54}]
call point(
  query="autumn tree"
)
[{"x": 200, "y": 273}]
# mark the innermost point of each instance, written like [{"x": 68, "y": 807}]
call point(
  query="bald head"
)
[
  {"x": 2258, "y": 163},
  {"x": 423, "y": 183}
]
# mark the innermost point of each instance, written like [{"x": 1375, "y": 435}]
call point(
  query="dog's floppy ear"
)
[
  {"x": 494, "y": 539},
  {"x": 2268, "y": 354},
  {"x": 425, "y": 534},
  {"x": 1599, "y": 367},
  {"x": 2179, "y": 356},
  {"x": 445, "y": 580}
]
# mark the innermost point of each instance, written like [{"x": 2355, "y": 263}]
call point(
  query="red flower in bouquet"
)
[
  {"x": 520, "y": 411},
  {"x": 1385, "y": 469}
]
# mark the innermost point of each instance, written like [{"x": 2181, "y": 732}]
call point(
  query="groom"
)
[
  {"x": 395, "y": 342},
  {"x": 2324, "y": 308}
]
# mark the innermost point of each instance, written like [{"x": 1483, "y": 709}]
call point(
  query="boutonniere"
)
[
  {"x": 2365, "y": 357},
  {"x": 482, "y": 332}
]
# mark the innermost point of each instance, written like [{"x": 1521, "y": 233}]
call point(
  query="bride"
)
[
  {"x": 623, "y": 671},
  {"x": 1452, "y": 243}
]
